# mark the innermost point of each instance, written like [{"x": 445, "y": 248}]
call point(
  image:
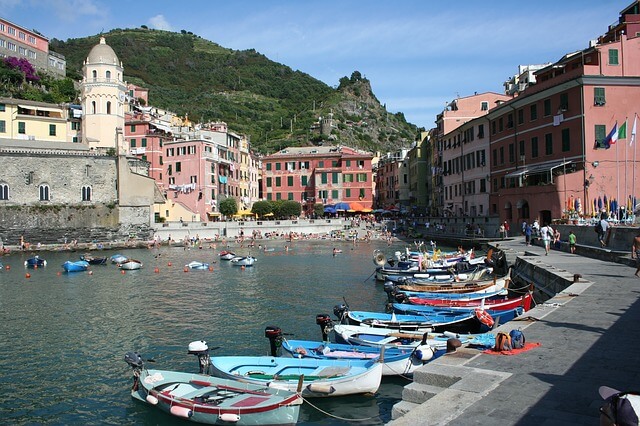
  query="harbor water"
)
[{"x": 64, "y": 335}]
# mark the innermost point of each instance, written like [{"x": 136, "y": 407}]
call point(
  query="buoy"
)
[
  {"x": 122, "y": 271},
  {"x": 156, "y": 270},
  {"x": 58, "y": 273},
  {"x": 90, "y": 272},
  {"x": 181, "y": 411},
  {"x": 169, "y": 264},
  {"x": 242, "y": 267},
  {"x": 210, "y": 268},
  {"x": 185, "y": 269},
  {"x": 7, "y": 267},
  {"x": 229, "y": 417},
  {"x": 28, "y": 275},
  {"x": 35, "y": 266},
  {"x": 152, "y": 400}
]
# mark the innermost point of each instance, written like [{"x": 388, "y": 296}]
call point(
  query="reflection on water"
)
[{"x": 65, "y": 334}]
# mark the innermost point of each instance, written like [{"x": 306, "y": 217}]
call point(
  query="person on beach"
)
[
  {"x": 528, "y": 231},
  {"x": 602, "y": 230},
  {"x": 572, "y": 242},
  {"x": 635, "y": 253},
  {"x": 546, "y": 233}
]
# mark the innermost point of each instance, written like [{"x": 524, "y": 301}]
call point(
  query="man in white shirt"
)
[{"x": 547, "y": 234}]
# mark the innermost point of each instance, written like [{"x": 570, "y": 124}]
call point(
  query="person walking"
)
[
  {"x": 635, "y": 253},
  {"x": 572, "y": 242},
  {"x": 546, "y": 233},
  {"x": 601, "y": 230},
  {"x": 527, "y": 234}
]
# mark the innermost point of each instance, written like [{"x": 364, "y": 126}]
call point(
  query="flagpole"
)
[
  {"x": 634, "y": 142},
  {"x": 626, "y": 191},
  {"x": 618, "y": 173}
]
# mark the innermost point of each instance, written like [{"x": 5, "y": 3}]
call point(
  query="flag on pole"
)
[
  {"x": 633, "y": 130},
  {"x": 612, "y": 137},
  {"x": 622, "y": 131}
]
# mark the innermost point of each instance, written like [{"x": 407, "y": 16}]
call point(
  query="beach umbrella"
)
[
  {"x": 595, "y": 205},
  {"x": 600, "y": 203},
  {"x": 579, "y": 205},
  {"x": 614, "y": 206},
  {"x": 570, "y": 205},
  {"x": 605, "y": 201}
]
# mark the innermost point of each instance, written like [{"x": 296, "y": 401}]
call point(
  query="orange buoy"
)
[
  {"x": 156, "y": 270},
  {"x": 7, "y": 267},
  {"x": 210, "y": 268},
  {"x": 185, "y": 269},
  {"x": 90, "y": 272},
  {"x": 28, "y": 275},
  {"x": 58, "y": 273},
  {"x": 169, "y": 264},
  {"x": 35, "y": 266},
  {"x": 122, "y": 271},
  {"x": 243, "y": 267}
]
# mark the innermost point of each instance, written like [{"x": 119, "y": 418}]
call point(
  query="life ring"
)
[{"x": 484, "y": 317}]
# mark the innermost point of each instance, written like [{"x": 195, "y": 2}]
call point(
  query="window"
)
[
  {"x": 483, "y": 185},
  {"x": 143, "y": 142},
  {"x": 289, "y": 195},
  {"x": 348, "y": 163},
  {"x": 334, "y": 163},
  {"x": 291, "y": 165},
  {"x": 613, "y": 56},
  {"x": 3, "y": 107},
  {"x": 75, "y": 125},
  {"x": 290, "y": 182},
  {"x": 94, "y": 73},
  {"x": 564, "y": 102},
  {"x": 521, "y": 116},
  {"x": 533, "y": 112},
  {"x": 362, "y": 177},
  {"x": 321, "y": 163},
  {"x": 484, "y": 106},
  {"x": 600, "y": 131},
  {"x": 534, "y": 147},
  {"x": 512, "y": 153},
  {"x": 22, "y": 127},
  {"x": 303, "y": 180},
  {"x": 278, "y": 196},
  {"x": 86, "y": 193},
  {"x": 133, "y": 128},
  {"x": 108, "y": 74},
  {"x": 521, "y": 148},
  {"x": 500, "y": 124},
  {"x": 362, "y": 194},
  {"x": 323, "y": 177},
  {"x": 3, "y": 126},
  {"x": 566, "y": 140},
  {"x": 599, "y": 98},
  {"x": 347, "y": 177},
  {"x": 132, "y": 143},
  {"x": 510, "y": 121},
  {"x": 108, "y": 107},
  {"x": 4, "y": 191},
  {"x": 268, "y": 166},
  {"x": 44, "y": 192},
  {"x": 178, "y": 166},
  {"x": 52, "y": 129},
  {"x": 547, "y": 107},
  {"x": 480, "y": 130},
  {"x": 347, "y": 193},
  {"x": 335, "y": 194},
  {"x": 548, "y": 144},
  {"x": 170, "y": 172},
  {"x": 278, "y": 181},
  {"x": 278, "y": 166},
  {"x": 269, "y": 181},
  {"x": 93, "y": 107},
  {"x": 502, "y": 155},
  {"x": 334, "y": 177}
]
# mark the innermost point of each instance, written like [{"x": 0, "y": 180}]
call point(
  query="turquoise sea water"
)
[{"x": 64, "y": 335}]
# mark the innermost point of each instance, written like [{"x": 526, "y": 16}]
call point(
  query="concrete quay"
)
[{"x": 589, "y": 336}]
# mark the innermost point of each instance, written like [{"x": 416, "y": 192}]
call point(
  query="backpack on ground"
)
[
  {"x": 517, "y": 339},
  {"x": 503, "y": 342}
]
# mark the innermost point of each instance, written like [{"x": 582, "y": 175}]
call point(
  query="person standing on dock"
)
[
  {"x": 572, "y": 242},
  {"x": 635, "y": 253},
  {"x": 546, "y": 233}
]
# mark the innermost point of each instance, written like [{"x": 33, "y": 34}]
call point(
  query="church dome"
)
[{"x": 102, "y": 53}]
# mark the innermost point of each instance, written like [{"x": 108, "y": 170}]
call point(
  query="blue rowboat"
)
[
  {"x": 320, "y": 377},
  {"x": 118, "y": 258},
  {"x": 78, "y": 266},
  {"x": 204, "y": 399},
  {"x": 35, "y": 262}
]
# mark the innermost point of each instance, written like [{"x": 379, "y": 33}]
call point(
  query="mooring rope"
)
[{"x": 338, "y": 417}]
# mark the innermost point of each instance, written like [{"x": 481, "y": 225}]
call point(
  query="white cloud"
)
[{"x": 159, "y": 22}]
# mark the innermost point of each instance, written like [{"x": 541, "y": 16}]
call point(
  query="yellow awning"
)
[{"x": 244, "y": 213}]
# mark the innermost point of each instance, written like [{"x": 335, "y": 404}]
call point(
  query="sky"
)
[{"x": 418, "y": 55}]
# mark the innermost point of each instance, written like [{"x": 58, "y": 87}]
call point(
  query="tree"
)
[
  {"x": 229, "y": 207},
  {"x": 262, "y": 208},
  {"x": 290, "y": 208},
  {"x": 318, "y": 209}
]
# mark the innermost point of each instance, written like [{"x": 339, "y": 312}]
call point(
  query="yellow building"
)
[{"x": 29, "y": 120}]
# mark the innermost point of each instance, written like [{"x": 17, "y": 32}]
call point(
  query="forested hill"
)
[{"x": 275, "y": 105}]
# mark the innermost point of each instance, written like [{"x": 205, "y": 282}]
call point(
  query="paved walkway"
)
[{"x": 589, "y": 336}]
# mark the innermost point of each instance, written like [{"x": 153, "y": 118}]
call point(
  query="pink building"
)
[
  {"x": 550, "y": 152},
  {"x": 323, "y": 174}
]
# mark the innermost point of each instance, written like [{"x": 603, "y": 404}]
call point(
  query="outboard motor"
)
[
  {"x": 391, "y": 289},
  {"x": 137, "y": 364},
  {"x": 326, "y": 325},
  {"x": 340, "y": 311},
  {"x": 274, "y": 334},
  {"x": 201, "y": 350},
  {"x": 401, "y": 297}
]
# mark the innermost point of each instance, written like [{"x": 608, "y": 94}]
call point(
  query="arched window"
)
[
  {"x": 44, "y": 192},
  {"x": 4, "y": 191},
  {"x": 108, "y": 107},
  {"x": 86, "y": 193},
  {"x": 94, "y": 73},
  {"x": 108, "y": 74},
  {"x": 93, "y": 107}
]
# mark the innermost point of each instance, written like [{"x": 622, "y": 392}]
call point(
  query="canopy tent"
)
[
  {"x": 329, "y": 209},
  {"x": 342, "y": 207},
  {"x": 357, "y": 207},
  {"x": 244, "y": 213}
]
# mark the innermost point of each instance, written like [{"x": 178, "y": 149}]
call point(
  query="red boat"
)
[{"x": 496, "y": 304}]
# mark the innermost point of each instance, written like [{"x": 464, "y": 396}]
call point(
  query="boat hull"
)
[
  {"x": 79, "y": 266},
  {"x": 209, "y": 400},
  {"x": 322, "y": 378}
]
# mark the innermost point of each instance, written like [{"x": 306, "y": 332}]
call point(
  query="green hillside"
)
[{"x": 275, "y": 105}]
